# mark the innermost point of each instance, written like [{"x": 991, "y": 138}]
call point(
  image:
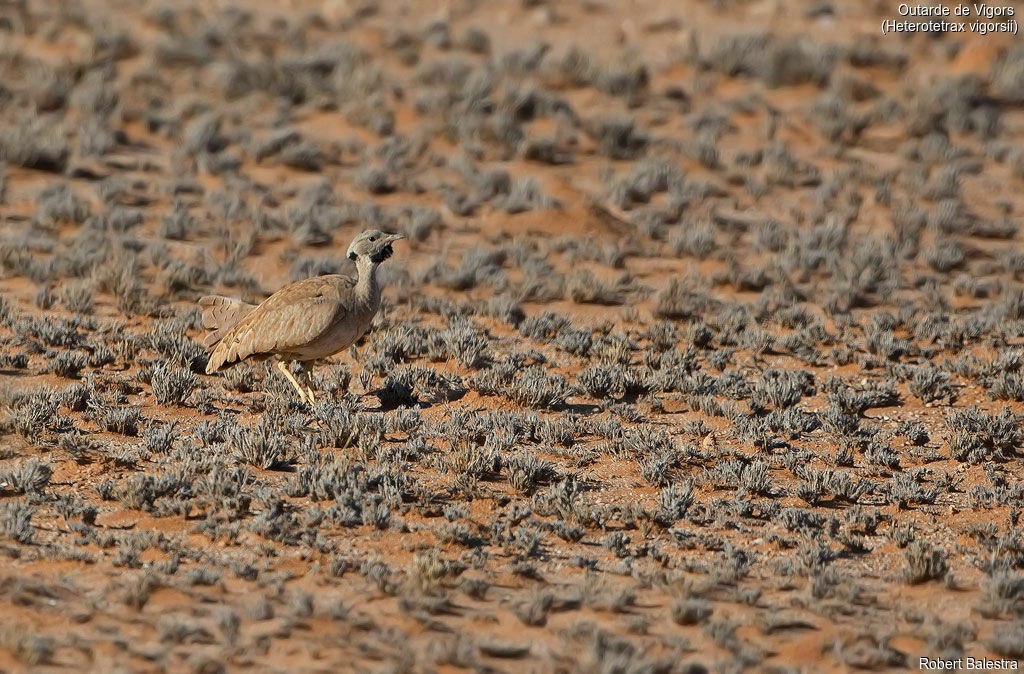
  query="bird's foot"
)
[{"x": 307, "y": 374}]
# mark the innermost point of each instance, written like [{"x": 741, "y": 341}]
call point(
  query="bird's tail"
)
[{"x": 220, "y": 314}]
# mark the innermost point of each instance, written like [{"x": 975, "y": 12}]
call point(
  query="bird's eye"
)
[{"x": 373, "y": 238}]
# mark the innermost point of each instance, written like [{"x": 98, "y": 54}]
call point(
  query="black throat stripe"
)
[{"x": 381, "y": 255}]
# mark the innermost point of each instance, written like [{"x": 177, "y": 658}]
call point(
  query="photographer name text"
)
[{"x": 967, "y": 664}]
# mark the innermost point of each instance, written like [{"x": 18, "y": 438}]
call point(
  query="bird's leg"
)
[
  {"x": 353, "y": 353},
  {"x": 287, "y": 373},
  {"x": 307, "y": 374}
]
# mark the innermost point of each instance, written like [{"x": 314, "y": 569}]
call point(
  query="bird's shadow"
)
[{"x": 583, "y": 409}]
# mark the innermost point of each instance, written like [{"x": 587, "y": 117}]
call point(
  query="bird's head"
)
[{"x": 372, "y": 245}]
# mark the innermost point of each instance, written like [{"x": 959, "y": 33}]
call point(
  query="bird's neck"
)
[{"x": 367, "y": 289}]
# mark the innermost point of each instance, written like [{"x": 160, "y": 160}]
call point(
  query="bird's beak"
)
[{"x": 395, "y": 237}]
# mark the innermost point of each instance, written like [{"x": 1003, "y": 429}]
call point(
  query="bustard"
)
[{"x": 306, "y": 320}]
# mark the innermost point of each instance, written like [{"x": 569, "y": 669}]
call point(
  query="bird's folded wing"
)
[{"x": 290, "y": 318}]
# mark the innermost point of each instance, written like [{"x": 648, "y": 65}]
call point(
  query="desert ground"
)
[{"x": 704, "y": 350}]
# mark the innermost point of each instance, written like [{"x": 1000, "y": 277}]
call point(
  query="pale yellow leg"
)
[
  {"x": 308, "y": 375},
  {"x": 287, "y": 373}
]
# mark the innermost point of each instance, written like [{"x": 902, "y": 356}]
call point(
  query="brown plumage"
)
[
  {"x": 220, "y": 314},
  {"x": 306, "y": 320}
]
